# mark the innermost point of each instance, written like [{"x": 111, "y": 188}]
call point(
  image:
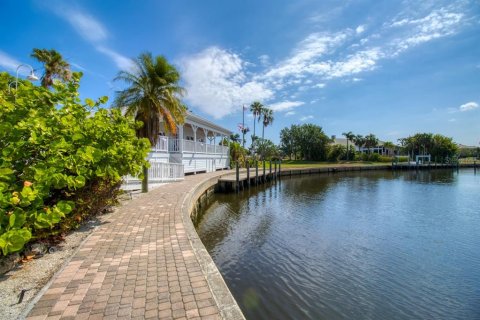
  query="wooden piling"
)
[
  {"x": 263, "y": 177},
  {"x": 270, "y": 170},
  {"x": 237, "y": 177},
  {"x": 256, "y": 172},
  {"x": 248, "y": 174}
]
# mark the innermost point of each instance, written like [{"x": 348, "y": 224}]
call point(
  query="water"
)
[{"x": 376, "y": 245}]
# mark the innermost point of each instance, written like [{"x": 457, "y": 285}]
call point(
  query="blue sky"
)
[{"x": 391, "y": 68}]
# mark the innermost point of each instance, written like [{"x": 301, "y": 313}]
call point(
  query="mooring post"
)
[
  {"x": 237, "y": 176},
  {"x": 263, "y": 178},
  {"x": 280, "y": 168},
  {"x": 474, "y": 166},
  {"x": 275, "y": 174},
  {"x": 248, "y": 174},
  {"x": 270, "y": 169},
  {"x": 256, "y": 172}
]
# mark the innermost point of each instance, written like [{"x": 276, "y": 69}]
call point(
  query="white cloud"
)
[
  {"x": 306, "y": 55},
  {"x": 290, "y": 113},
  {"x": 452, "y": 120},
  {"x": 94, "y": 32},
  {"x": 216, "y": 82},
  {"x": 305, "y": 118},
  {"x": 8, "y": 62},
  {"x": 264, "y": 59},
  {"x": 439, "y": 23},
  {"x": 468, "y": 106},
  {"x": 285, "y": 105},
  {"x": 360, "y": 29},
  {"x": 85, "y": 25},
  {"x": 356, "y": 63},
  {"x": 122, "y": 62}
]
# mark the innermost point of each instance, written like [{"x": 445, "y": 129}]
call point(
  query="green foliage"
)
[
  {"x": 372, "y": 157},
  {"x": 307, "y": 142},
  {"x": 441, "y": 148},
  {"x": 336, "y": 152},
  {"x": 265, "y": 148},
  {"x": 53, "y": 150}
]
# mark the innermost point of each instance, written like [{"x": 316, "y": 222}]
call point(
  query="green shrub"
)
[
  {"x": 336, "y": 152},
  {"x": 385, "y": 159},
  {"x": 60, "y": 160}
]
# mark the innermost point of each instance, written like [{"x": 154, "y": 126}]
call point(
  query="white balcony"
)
[{"x": 165, "y": 144}]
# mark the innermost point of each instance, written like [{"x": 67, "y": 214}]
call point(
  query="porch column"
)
[
  {"x": 194, "y": 128},
  {"x": 180, "y": 138},
  {"x": 205, "y": 133}
]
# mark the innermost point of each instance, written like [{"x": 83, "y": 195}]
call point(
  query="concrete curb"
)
[{"x": 224, "y": 299}]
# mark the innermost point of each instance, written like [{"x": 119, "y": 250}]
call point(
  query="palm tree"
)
[
  {"x": 389, "y": 146},
  {"x": 359, "y": 141},
  {"x": 55, "y": 66},
  {"x": 349, "y": 136},
  {"x": 371, "y": 141},
  {"x": 267, "y": 115},
  {"x": 153, "y": 95},
  {"x": 257, "y": 109}
]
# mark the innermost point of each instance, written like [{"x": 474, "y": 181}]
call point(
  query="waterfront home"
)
[
  {"x": 196, "y": 147},
  {"x": 380, "y": 148}
]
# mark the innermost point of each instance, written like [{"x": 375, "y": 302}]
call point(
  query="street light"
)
[{"x": 32, "y": 76}]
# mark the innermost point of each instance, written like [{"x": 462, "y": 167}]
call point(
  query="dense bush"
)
[
  {"x": 60, "y": 160},
  {"x": 336, "y": 152}
]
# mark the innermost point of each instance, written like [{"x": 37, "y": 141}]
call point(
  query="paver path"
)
[{"x": 140, "y": 264}]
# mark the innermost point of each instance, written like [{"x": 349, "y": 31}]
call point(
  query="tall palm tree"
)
[
  {"x": 371, "y": 141},
  {"x": 55, "y": 66},
  {"x": 349, "y": 136},
  {"x": 359, "y": 141},
  {"x": 256, "y": 108},
  {"x": 153, "y": 95},
  {"x": 389, "y": 146},
  {"x": 267, "y": 115}
]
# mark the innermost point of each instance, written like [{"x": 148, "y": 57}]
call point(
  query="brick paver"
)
[{"x": 138, "y": 265}]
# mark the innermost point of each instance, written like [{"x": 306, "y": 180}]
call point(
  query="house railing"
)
[
  {"x": 162, "y": 144},
  {"x": 179, "y": 145},
  {"x": 157, "y": 173}
]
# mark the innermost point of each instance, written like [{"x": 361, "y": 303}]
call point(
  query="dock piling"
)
[
  {"x": 270, "y": 170},
  {"x": 237, "y": 177},
  {"x": 263, "y": 177},
  {"x": 248, "y": 174}
]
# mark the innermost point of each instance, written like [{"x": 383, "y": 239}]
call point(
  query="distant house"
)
[{"x": 380, "y": 149}]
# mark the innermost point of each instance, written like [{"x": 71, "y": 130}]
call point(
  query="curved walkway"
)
[{"x": 145, "y": 262}]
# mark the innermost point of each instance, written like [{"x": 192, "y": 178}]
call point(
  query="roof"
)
[{"x": 192, "y": 118}]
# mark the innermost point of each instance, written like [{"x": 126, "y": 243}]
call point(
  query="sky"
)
[{"x": 391, "y": 68}]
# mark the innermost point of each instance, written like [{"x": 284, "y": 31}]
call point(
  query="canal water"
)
[{"x": 359, "y": 245}]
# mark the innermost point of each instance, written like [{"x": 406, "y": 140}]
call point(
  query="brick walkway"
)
[{"x": 140, "y": 264}]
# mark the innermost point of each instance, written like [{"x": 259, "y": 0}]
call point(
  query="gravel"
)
[{"x": 32, "y": 276}]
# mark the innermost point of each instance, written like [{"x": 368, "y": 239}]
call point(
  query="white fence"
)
[{"x": 159, "y": 172}]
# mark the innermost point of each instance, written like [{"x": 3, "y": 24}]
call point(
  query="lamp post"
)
[{"x": 31, "y": 76}]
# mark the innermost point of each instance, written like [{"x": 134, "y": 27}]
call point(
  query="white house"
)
[
  {"x": 196, "y": 146},
  {"x": 380, "y": 148}
]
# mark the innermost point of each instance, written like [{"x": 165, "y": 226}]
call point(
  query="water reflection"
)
[{"x": 358, "y": 245}]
